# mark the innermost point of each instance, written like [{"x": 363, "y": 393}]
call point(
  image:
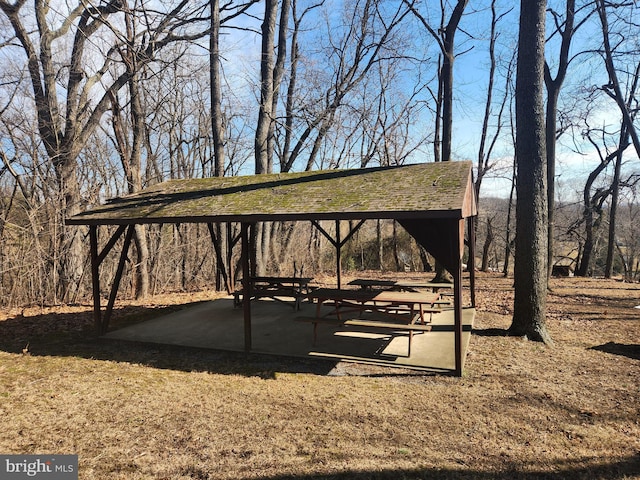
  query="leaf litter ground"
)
[{"x": 521, "y": 410}]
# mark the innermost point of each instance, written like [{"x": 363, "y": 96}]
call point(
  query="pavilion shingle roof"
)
[{"x": 427, "y": 190}]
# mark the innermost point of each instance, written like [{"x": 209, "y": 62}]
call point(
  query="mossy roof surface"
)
[{"x": 427, "y": 190}]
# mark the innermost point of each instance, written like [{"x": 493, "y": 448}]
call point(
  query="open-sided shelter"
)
[{"x": 434, "y": 202}]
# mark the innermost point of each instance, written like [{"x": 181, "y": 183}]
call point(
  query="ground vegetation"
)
[{"x": 522, "y": 410}]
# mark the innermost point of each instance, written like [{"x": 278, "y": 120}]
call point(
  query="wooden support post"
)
[
  {"x": 457, "y": 305},
  {"x": 95, "y": 277},
  {"x": 471, "y": 264},
  {"x": 246, "y": 285},
  {"x": 458, "y": 240},
  {"x": 338, "y": 255},
  {"x": 96, "y": 260},
  {"x": 116, "y": 280}
]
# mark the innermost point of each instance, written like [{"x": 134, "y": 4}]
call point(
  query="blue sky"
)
[
  {"x": 471, "y": 67},
  {"x": 575, "y": 157}
]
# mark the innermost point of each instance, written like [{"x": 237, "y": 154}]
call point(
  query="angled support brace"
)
[
  {"x": 219, "y": 257},
  {"x": 102, "y": 323},
  {"x": 110, "y": 244},
  {"x": 118, "y": 277},
  {"x": 338, "y": 243}
]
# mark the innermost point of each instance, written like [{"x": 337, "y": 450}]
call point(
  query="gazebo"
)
[{"x": 434, "y": 202}]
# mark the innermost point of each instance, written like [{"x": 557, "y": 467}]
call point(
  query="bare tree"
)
[
  {"x": 286, "y": 162},
  {"x": 65, "y": 127},
  {"x": 221, "y": 14},
  {"x": 352, "y": 52},
  {"x": 487, "y": 143},
  {"x": 616, "y": 185},
  {"x": 215, "y": 77},
  {"x": 130, "y": 150},
  {"x": 596, "y": 194},
  {"x": 614, "y": 87},
  {"x": 566, "y": 27},
  {"x": 444, "y": 35},
  {"x": 628, "y": 236},
  {"x": 271, "y": 70},
  {"x": 613, "y": 53},
  {"x": 530, "y": 274},
  {"x": 221, "y": 233},
  {"x": 266, "y": 114},
  {"x": 353, "y": 56}
]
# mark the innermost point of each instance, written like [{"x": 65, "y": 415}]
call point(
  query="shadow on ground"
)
[
  {"x": 626, "y": 350},
  {"x": 490, "y": 332},
  {"x": 625, "y": 468},
  {"x": 73, "y": 335}
]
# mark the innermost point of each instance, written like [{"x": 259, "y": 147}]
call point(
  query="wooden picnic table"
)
[
  {"x": 386, "y": 302},
  {"x": 389, "y": 303},
  {"x": 402, "y": 285},
  {"x": 277, "y": 288}
]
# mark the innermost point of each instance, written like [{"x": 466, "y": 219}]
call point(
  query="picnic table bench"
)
[
  {"x": 360, "y": 323},
  {"x": 277, "y": 288},
  {"x": 401, "y": 285}
]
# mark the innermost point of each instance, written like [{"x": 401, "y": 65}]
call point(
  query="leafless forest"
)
[{"x": 105, "y": 98}]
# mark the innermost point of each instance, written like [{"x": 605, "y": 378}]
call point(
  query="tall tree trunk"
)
[
  {"x": 530, "y": 274},
  {"x": 445, "y": 36},
  {"x": 628, "y": 130},
  {"x": 613, "y": 210},
  {"x": 217, "y": 119},
  {"x": 553, "y": 91},
  {"x": 278, "y": 73},
  {"x": 551, "y": 117},
  {"x": 483, "y": 159},
  {"x": 263, "y": 156},
  {"x": 290, "y": 101},
  {"x": 437, "y": 128},
  {"x": 488, "y": 241},
  {"x": 130, "y": 153},
  {"x": 263, "y": 164},
  {"x": 72, "y": 245},
  {"x": 448, "y": 43},
  {"x": 508, "y": 242},
  {"x": 218, "y": 129},
  {"x": 593, "y": 203},
  {"x": 141, "y": 268},
  {"x": 583, "y": 269},
  {"x": 396, "y": 255}
]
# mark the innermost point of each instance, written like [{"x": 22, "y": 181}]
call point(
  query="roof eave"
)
[{"x": 86, "y": 218}]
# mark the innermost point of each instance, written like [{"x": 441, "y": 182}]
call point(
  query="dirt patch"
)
[{"x": 521, "y": 410}]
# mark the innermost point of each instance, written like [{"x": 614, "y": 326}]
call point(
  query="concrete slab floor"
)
[{"x": 218, "y": 325}]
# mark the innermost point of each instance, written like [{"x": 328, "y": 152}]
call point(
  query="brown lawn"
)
[{"x": 522, "y": 410}]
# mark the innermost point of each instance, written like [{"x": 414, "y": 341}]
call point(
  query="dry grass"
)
[{"x": 521, "y": 410}]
